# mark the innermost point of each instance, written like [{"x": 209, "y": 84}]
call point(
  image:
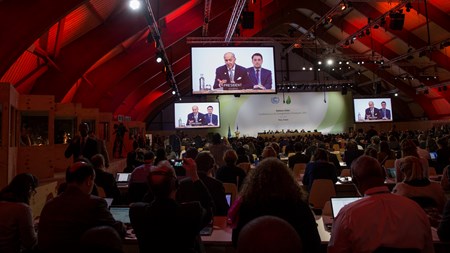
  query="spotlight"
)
[
  {"x": 347, "y": 62},
  {"x": 396, "y": 94},
  {"x": 319, "y": 62},
  {"x": 174, "y": 92},
  {"x": 340, "y": 62},
  {"x": 330, "y": 62},
  {"x": 158, "y": 57},
  {"x": 303, "y": 68},
  {"x": 135, "y": 4},
  {"x": 343, "y": 6},
  {"x": 318, "y": 69},
  {"x": 310, "y": 68}
]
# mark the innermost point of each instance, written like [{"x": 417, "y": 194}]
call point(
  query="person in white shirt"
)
[{"x": 379, "y": 219}]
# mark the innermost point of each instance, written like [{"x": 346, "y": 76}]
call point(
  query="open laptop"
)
[
  {"x": 123, "y": 178},
  {"x": 121, "y": 213},
  {"x": 391, "y": 173},
  {"x": 433, "y": 156},
  {"x": 228, "y": 197},
  {"x": 337, "y": 203}
]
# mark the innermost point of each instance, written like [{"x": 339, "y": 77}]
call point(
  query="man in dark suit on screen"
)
[
  {"x": 195, "y": 118},
  {"x": 384, "y": 113},
  {"x": 231, "y": 73},
  {"x": 259, "y": 77},
  {"x": 372, "y": 113},
  {"x": 210, "y": 118}
]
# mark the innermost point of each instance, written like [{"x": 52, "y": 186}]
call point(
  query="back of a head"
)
[
  {"x": 102, "y": 239},
  {"x": 409, "y": 148},
  {"x": 298, "y": 147},
  {"x": 98, "y": 161},
  {"x": 205, "y": 161},
  {"x": 268, "y": 151},
  {"x": 162, "y": 180},
  {"x": 269, "y": 234},
  {"x": 270, "y": 179},
  {"x": 384, "y": 147},
  {"x": 149, "y": 156},
  {"x": 191, "y": 152},
  {"x": 78, "y": 172},
  {"x": 412, "y": 168},
  {"x": 320, "y": 155},
  {"x": 216, "y": 139},
  {"x": 367, "y": 171},
  {"x": 20, "y": 188},
  {"x": 230, "y": 157}
]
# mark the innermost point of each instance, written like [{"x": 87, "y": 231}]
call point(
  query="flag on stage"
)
[{"x": 229, "y": 132}]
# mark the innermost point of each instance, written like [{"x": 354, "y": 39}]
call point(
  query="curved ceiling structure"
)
[{"x": 97, "y": 52}]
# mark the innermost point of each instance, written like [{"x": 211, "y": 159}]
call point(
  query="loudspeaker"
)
[
  {"x": 248, "y": 18},
  {"x": 397, "y": 21}
]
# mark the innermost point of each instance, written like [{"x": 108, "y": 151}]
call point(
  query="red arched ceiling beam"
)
[
  {"x": 150, "y": 105},
  {"x": 77, "y": 57},
  {"x": 350, "y": 29},
  {"x": 22, "y": 22},
  {"x": 178, "y": 51}
]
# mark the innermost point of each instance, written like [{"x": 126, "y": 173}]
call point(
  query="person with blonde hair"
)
[
  {"x": 230, "y": 173},
  {"x": 415, "y": 185},
  {"x": 271, "y": 189}
]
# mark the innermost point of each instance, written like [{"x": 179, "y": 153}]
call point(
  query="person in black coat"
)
[
  {"x": 298, "y": 157},
  {"x": 164, "y": 225},
  {"x": 82, "y": 146}
]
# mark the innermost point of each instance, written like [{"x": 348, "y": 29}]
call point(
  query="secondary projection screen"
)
[
  {"x": 233, "y": 70},
  {"x": 372, "y": 109},
  {"x": 197, "y": 115}
]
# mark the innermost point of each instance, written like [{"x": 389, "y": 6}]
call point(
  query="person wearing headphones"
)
[{"x": 164, "y": 225}]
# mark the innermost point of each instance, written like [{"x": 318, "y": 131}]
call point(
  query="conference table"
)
[{"x": 220, "y": 239}]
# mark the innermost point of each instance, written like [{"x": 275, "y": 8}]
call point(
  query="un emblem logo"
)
[{"x": 275, "y": 100}]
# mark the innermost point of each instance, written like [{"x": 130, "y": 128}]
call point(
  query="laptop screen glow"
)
[
  {"x": 121, "y": 214},
  {"x": 123, "y": 177},
  {"x": 338, "y": 203}
]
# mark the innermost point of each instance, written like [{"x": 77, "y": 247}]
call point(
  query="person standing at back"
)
[
  {"x": 82, "y": 146},
  {"x": 380, "y": 220}
]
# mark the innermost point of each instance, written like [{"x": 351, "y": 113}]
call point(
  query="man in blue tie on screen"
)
[
  {"x": 210, "y": 118},
  {"x": 260, "y": 78},
  {"x": 385, "y": 113}
]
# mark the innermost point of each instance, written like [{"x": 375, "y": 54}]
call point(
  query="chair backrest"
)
[
  {"x": 232, "y": 189},
  {"x": 326, "y": 210},
  {"x": 431, "y": 171},
  {"x": 389, "y": 163},
  {"x": 100, "y": 191},
  {"x": 299, "y": 168},
  {"x": 244, "y": 166},
  {"x": 321, "y": 191},
  {"x": 345, "y": 173}
]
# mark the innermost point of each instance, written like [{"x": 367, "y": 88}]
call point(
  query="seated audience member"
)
[
  {"x": 102, "y": 239},
  {"x": 298, "y": 157},
  {"x": 165, "y": 225},
  {"x": 371, "y": 152},
  {"x": 416, "y": 185},
  {"x": 105, "y": 179},
  {"x": 230, "y": 173},
  {"x": 444, "y": 227},
  {"x": 16, "y": 220},
  {"x": 243, "y": 157},
  {"x": 271, "y": 189},
  {"x": 410, "y": 149},
  {"x": 385, "y": 153},
  {"x": 267, "y": 152},
  {"x": 160, "y": 156},
  {"x": 379, "y": 219},
  {"x": 282, "y": 237},
  {"x": 421, "y": 150},
  {"x": 319, "y": 168},
  {"x": 138, "y": 186},
  {"x": 191, "y": 152},
  {"x": 443, "y": 154},
  {"x": 65, "y": 218},
  {"x": 351, "y": 153},
  {"x": 189, "y": 192}
]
